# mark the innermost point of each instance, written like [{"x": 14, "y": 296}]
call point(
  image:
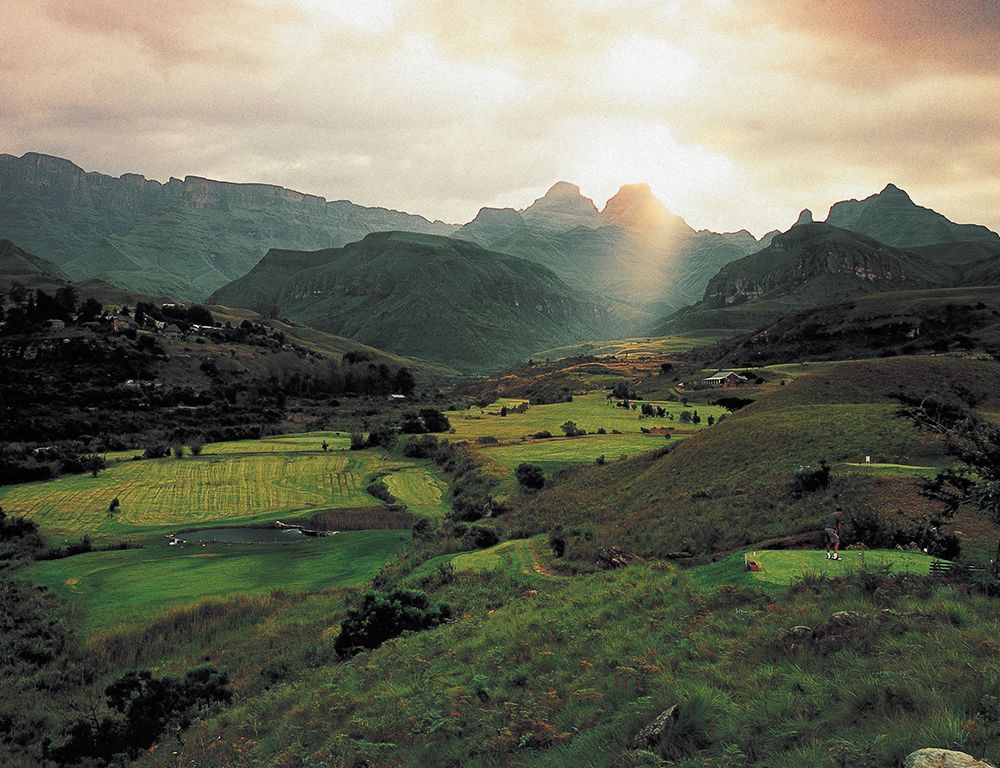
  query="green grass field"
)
[
  {"x": 784, "y": 567},
  {"x": 131, "y": 586},
  {"x": 639, "y": 346},
  {"x": 589, "y": 412},
  {"x": 558, "y": 452},
  {"x": 423, "y": 492},
  {"x": 235, "y": 482}
]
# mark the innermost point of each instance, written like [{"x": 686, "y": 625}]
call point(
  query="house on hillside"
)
[
  {"x": 725, "y": 379},
  {"x": 396, "y": 398}
]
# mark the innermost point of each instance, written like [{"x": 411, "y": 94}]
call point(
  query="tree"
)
[
  {"x": 530, "y": 476},
  {"x": 67, "y": 297},
  {"x": 434, "y": 420},
  {"x": 569, "y": 429},
  {"x": 412, "y": 425},
  {"x": 178, "y": 450},
  {"x": 326, "y": 446},
  {"x": 404, "y": 382},
  {"x": 114, "y": 506},
  {"x": 685, "y": 417},
  {"x": 197, "y": 443},
  {"x": 621, "y": 390},
  {"x": 94, "y": 464},
  {"x": 975, "y": 443},
  {"x": 90, "y": 310}
]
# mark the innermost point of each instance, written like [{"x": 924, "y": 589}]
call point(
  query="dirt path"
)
[{"x": 536, "y": 565}]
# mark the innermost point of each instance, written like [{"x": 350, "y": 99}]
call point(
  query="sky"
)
[{"x": 738, "y": 113}]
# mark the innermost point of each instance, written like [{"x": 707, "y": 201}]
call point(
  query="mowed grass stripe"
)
[
  {"x": 166, "y": 493},
  {"x": 419, "y": 490}
]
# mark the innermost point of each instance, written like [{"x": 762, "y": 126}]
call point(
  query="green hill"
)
[
  {"x": 813, "y": 264},
  {"x": 17, "y": 262},
  {"x": 181, "y": 238},
  {"x": 963, "y": 319},
  {"x": 430, "y": 297},
  {"x": 893, "y": 218},
  {"x": 732, "y": 484}
]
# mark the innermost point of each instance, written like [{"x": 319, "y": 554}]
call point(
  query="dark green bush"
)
[{"x": 384, "y": 615}]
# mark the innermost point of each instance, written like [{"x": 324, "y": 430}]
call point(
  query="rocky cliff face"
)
[
  {"x": 810, "y": 251},
  {"x": 183, "y": 238}
]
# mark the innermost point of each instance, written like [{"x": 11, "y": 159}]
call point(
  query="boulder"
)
[
  {"x": 795, "y": 638},
  {"x": 650, "y": 735},
  {"x": 942, "y": 758}
]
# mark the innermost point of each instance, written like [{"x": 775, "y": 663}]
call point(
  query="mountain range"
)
[
  {"x": 818, "y": 263},
  {"x": 563, "y": 270},
  {"x": 183, "y": 238}
]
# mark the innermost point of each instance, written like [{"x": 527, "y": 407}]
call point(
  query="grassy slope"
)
[
  {"x": 730, "y": 485},
  {"x": 589, "y": 412},
  {"x": 105, "y": 586},
  {"x": 564, "y": 674},
  {"x": 433, "y": 297}
]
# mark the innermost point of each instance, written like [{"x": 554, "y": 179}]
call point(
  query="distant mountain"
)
[
  {"x": 426, "y": 296},
  {"x": 183, "y": 238},
  {"x": 635, "y": 254},
  {"x": 965, "y": 319},
  {"x": 16, "y": 262},
  {"x": 893, "y": 218},
  {"x": 809, "y": 265}
]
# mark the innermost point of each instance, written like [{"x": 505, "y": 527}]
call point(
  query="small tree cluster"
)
[{"x": 384, "y": 615}]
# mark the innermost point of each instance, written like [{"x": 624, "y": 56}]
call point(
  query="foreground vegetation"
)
[{"x": 565, "y": 674}]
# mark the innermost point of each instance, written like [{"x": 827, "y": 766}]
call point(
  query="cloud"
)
[{"x": 738, "y": 114}]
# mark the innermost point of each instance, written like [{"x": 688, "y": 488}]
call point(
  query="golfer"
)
[{"x": 832, "y": 528}]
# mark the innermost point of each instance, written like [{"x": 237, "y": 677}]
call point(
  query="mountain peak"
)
[
  {"x": 562, "y": 207},
  {"x": 563, "y": 189},
  {"x": 891, "y": 190},
  {"x": 635, "y": 207},
  {"x": 805, "y": 217}
]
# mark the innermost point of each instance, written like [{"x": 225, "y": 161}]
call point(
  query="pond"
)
[{"x": 244, "y": 535}]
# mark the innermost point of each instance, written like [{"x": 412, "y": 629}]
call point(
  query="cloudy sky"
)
[{"x": 737, "y": 112}]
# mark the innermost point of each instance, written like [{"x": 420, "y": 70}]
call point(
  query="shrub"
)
[
  {"x": 412, "y": 425},
  {"x": 530, "y": 476},
  {"x": 178, "y": 450},
  {"x": 380, "y": 490},
  {"x": 543, "y": 435},
  {"x": 570, "y": 429},
  {"x": 358, "y": 441},
  {"x": 557, "y": 541},
  {"x": 156, "y": 451},
  {"x": 478, "y": 536},
  {"x": 421, "y": 447},
  {"x": 434, "y": 420},
  {"x": 487, "y": 440},
  {"x": 808, "y": 479},
  {"x": 384, "y": 615},
  {"x": 197, "y": 443}
]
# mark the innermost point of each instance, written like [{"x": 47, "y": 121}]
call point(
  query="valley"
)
[{"x": 431, "y": 497}]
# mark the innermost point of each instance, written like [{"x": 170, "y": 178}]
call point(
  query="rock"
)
[
  {"x": 613, "y": 557},
  {"x": 795, "y": 638},
  {"x": 942, "y": 758},
  {"x": 650, "y": 735},
  {"x": 805, "y": 217},
  {"x": 840, "y": 627}
]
